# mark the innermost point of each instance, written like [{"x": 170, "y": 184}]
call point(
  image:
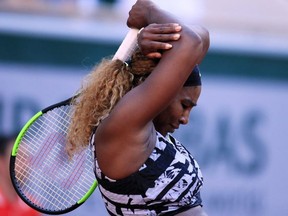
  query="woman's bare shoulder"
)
[{"x": 120, "y": 154}]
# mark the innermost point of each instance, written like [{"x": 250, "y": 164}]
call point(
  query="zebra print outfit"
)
[{"x": 167, "y": 183}]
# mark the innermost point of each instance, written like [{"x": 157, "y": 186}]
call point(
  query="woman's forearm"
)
[
  {"x": 145, "y": 12},
  {"x": 157, "y": 15}
]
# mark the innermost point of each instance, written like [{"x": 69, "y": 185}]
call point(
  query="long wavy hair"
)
[{"x": 100, "y": 91}]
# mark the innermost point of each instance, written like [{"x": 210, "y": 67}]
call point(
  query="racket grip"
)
[{"x": 127, "y": 46}]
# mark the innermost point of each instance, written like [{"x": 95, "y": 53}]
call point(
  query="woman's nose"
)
[{"x": 185, "y": 118}]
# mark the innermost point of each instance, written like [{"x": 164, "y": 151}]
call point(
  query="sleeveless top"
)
[{"x": 167, "y": 183}]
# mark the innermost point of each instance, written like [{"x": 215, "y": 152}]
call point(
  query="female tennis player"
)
[{"x": 128, "y": 110}]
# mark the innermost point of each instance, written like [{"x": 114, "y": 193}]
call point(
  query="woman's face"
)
[{"x": 178, "y": 111}]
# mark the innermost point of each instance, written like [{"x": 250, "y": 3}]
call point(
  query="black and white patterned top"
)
[{"x": 167, "y": 183}]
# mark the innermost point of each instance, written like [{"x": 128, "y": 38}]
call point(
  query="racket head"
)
[{"x": 42, "y": 173}]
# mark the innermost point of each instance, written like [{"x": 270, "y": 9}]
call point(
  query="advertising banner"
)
[{"x": 237, "y": 133}]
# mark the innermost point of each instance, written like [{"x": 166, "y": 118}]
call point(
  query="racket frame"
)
[{"x": 13, "y": 161}]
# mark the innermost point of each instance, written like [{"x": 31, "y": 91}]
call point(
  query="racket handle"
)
[{"x": 127, "y": 46}]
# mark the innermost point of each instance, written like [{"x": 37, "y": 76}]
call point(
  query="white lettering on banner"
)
[{"x": 237, "y": 133}]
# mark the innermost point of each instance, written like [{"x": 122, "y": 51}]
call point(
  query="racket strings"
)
[
  {"x": 43, "y": 169},
  {"x": 42, "y": 183}
]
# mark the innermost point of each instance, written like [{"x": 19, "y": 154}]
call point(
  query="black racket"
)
[{"x": 40, "y": 169}]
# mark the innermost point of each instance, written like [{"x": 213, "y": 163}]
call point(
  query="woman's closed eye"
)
[{"x": 188, "y": 104}]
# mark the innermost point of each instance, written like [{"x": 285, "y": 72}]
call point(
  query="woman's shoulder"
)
[{"x": 120, "y": 154}]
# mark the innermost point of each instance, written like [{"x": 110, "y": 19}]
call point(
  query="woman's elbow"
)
[
  {"x": 205, "y": 36},
  {"x": 200, "y": 38},
  {"x": 200, "y": 41}
]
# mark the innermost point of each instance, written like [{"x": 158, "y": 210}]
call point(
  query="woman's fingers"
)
[
  {"x": 163, "y": 28},
  {"x": 161, "y": 37},
  {"x": 155, "y": 45},
  {"x": 157, "y": 37},
  {"x": 155, "y": 49},
  {"x": 154, "y": 55},
  {"x": 161, "y": 32}
]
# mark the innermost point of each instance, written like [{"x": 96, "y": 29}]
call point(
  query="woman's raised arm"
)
[{"x": 173, "y": 69}]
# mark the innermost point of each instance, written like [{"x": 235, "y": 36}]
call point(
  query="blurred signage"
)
[{"x": 238, "y": 134}]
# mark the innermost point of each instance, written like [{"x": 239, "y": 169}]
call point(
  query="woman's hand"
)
[
  {"x": 139, "y": 15},
  {"x": 156, "y": 38}
]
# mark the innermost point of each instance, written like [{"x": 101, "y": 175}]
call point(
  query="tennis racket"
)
[{"x": 41, "y": 171}]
